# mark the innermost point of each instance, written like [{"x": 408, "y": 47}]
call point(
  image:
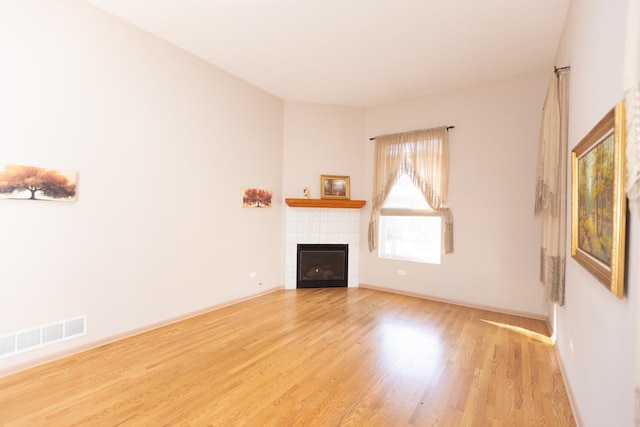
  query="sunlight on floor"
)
[
  {"x": 410, "y": 350},
  {"x": 522, "y": 331}
]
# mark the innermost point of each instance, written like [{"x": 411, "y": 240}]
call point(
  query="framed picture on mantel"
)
[{"x": 334, "y": 187}]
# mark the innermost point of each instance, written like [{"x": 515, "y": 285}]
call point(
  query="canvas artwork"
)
[
  {"x": 598, "y": 203},
  {"x": 256, "y": 198},
  {"x": 35, "y": 183},
  {"x": 595, "y": 196}
]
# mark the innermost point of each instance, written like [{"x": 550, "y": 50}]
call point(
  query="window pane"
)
[
  {"x": 411, "y": 238},
  {"x": 405, "y": 195},
  {"x": 409, "y": 235}
]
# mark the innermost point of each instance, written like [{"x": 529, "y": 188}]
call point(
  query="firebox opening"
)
[{"x": 322, "y": 265}]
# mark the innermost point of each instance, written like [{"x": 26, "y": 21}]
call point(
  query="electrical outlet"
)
[
  {"x": 571, "y": 345},
  {"x": 400, "y": 272},
  {"x": 252, "y": 275}
]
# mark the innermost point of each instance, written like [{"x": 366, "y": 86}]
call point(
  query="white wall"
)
[
  {"x": 163, "y": 144},
  {"x": 600, "y": 326},
  {"x": 322, "y": 140},
  {"x": 493, "y": 151}
]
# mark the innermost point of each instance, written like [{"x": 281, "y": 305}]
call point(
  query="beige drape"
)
[
  {"x": 424, "y": 156},
  {"x": 632, "y": 103},
  {"x": 632, "y": 113},
  {"x": 551, "y": 187}
]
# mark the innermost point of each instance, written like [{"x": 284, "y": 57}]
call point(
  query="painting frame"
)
[
  {"x": 598, "y": 243},
  {"x": 335, "y": 187}
]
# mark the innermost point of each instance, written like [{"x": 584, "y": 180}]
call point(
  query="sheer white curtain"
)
[
  {"x": 632, "y": 102},
  {"x": 551, "y": 187},
  {"x": 423, "y": 155}
]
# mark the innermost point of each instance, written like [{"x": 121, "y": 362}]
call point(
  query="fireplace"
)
[
  {"x": 322, "y": 265},
  {"x": 323, "y": 225}
]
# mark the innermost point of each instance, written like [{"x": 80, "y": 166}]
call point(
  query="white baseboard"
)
[
  {"x": 638, "y": 406},
  {"x": 460, "y": 303},
  {"x": 567, "y": 385},
  {"x": 99, "y": 343}
]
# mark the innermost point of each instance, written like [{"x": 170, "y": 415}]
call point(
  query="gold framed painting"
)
[
  {"x": 598, "y": 201},
  {"x": 334, "y": 187}
]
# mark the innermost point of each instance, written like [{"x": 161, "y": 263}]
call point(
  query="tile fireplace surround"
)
[{"x": 321, "y": 225}]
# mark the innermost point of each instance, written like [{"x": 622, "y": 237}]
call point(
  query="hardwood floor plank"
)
[{"x": 312, "y": 357}]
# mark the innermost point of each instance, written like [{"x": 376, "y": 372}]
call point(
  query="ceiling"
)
[{"x": 357, "y": 52}]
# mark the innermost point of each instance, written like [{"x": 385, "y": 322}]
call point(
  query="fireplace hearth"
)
[{"x": 322, "y": 265}]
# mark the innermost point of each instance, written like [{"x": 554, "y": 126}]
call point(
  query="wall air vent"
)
[{"x": 40, "y": 336}]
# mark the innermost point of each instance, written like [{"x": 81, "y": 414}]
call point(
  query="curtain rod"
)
[
  {"x": 374, "y": 138},
  {"x": 556, "y": 69}
]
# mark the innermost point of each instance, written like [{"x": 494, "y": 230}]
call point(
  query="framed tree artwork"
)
[
  {"x": 256, "y": 198},
  {"x": 36, "y": 183},
  {"x": 598, "y": 202}
]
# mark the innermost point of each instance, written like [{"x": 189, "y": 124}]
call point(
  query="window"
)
[
  {"x": 414, "y": 166},
  {"x": 409, "y": 229}
]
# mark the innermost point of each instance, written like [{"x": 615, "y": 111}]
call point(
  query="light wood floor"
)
[{"x": 312, "y": 357}]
